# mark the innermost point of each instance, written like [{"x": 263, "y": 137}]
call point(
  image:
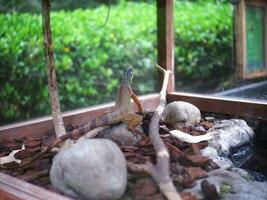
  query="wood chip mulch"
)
[{"x": 186, "y": 163}]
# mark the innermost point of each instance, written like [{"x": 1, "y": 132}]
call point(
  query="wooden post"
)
[
  {"x": 51, "y": 74},
  {"x": 240, "y": 42},
  {"x": 165, "y": 40}
]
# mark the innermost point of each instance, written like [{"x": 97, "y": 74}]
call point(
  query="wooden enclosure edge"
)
[
  {"x": 229, "y": 106},
  {"x": 39, "y": 126},
  {"x": 13, "y": 188}
]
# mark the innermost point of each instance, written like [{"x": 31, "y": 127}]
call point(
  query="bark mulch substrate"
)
[{"x": 186, "y": 163}]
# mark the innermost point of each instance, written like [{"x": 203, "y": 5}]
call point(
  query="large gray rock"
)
[
  {"x": 121, "y": 135},
  {"x": 90, "y": 169},
  {"x": 230, "y": 133},
  {"x": 180, "y": 113}
]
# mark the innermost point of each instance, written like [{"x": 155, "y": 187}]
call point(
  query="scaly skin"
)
[{"x": 121, "y": 113}]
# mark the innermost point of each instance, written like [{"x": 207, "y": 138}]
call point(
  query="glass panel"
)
[
  {"x": 93, "y": 43},
  {"x": 255, "y": 37},
  {"x": 204, "y": 50}
]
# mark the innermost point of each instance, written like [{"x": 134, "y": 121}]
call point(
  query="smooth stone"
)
[
  {"x": 211, "y": 153},
  {"x": 180, "y": 113},
  {"x": 121, "y": 135},
  {"x": 90, "y": 169}
]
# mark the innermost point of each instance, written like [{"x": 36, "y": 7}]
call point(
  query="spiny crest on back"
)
[{"x": 128, "y": 75}]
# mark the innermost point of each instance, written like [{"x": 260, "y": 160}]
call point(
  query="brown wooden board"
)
[
  {"x": 39, "y": 126},
  {"x": 12, "y": 188},
  {"x": 234, "y": 107}
]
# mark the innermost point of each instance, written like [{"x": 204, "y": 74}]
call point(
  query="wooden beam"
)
[
  {"x": 165, "y": 39},
  {"x": 39, "y": 126},
  {"x": 14, "y": 189},
  {"x": 240, "y": 45},
  {"x": 234, "y": 107}
]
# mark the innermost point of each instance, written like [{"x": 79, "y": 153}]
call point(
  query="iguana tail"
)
[{"x": 102, "y": 120}]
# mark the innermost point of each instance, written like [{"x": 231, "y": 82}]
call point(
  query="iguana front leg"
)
[
  {"x": 135, "y": 99},
  {"x": 132, "y": 119},
  {"x": 137, "y": 102}
]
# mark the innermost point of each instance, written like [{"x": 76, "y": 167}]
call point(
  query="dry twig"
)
[
  {"x": 185, "y": 137},
  {"x": 160, "y": 172},
  {"x": 10, "y": 158}
]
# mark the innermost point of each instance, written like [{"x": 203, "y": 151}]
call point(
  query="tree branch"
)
[
  {"x": 51, "y": 74},
  {"x": 159, "y": 172}
]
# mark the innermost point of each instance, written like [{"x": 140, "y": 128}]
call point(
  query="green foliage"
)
[
  {"x": 203, "y": 39},
  {"x": 90, "y": 60}
]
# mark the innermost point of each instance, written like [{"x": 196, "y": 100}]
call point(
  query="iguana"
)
[{"x": 122, "y": 111}]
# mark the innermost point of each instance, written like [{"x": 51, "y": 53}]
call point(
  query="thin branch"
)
[{"x": 51, "y": 74}]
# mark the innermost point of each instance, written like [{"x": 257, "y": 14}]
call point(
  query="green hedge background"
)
[{"x": 90, "y": 59}]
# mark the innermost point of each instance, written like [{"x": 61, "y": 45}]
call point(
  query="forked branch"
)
[{"x": 160, "y": 172}]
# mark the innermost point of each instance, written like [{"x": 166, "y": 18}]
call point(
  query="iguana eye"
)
[{"x": 129, "y": 73}]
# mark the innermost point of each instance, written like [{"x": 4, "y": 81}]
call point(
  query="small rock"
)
[
  {"x": 209, "y": 190},
  {"x": 180, "y": 113},
  {"x": 90, "y": 169},
  {"x": 121, "y": 135}
]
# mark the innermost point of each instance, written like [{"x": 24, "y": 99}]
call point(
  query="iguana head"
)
[{"x": 128, "y": 75}]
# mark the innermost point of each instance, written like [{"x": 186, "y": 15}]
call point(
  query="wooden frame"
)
[
  {"x": 241, "y": 45},
  {"x": 165, "y": 39},
  {"x": 13, "y": 188},
  {"x": 41, "y": 125}
]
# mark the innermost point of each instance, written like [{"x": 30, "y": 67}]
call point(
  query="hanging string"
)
[{"x": 107, "y": 16}]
